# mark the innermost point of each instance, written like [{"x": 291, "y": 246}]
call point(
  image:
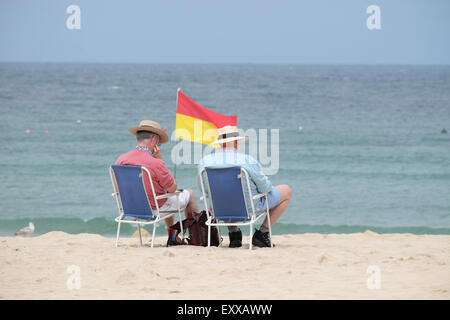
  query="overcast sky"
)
[{"x": 226, "y": 31}]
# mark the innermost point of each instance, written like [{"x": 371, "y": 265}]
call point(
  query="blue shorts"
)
[{"x": 274, "y": 198}]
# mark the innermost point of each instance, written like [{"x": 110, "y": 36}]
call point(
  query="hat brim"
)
[
  {"x": 161, "y": 133},
  {"x": 220, "y": 141}
]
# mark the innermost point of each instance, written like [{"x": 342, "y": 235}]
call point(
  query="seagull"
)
[{"x": 26, "y": 231}]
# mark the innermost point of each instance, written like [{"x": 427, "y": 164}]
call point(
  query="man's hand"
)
[{"x": 157, "y": 153}]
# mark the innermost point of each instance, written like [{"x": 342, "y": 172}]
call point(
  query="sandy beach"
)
[{"x": 302, "y": 266}]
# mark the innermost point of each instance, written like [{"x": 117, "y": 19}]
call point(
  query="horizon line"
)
[{"x": 226, "y": 63}]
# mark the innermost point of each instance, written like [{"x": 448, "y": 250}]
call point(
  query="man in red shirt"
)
[{"x": 149, "y": 137}]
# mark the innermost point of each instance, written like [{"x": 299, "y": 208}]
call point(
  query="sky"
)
[{"x": 226, "y": 31}]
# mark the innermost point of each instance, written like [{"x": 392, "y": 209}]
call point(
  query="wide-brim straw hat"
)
[
  {"x": 150, "y": 126},
  {"x": 228, "y": 134}
]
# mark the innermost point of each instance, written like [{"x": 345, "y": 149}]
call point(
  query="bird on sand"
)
[{"x": 26, "y": 231}]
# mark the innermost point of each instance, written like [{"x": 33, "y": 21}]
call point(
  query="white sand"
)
[{"x": 307, "y": 266}]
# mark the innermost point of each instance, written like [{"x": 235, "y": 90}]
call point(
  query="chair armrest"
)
[
  {"x": 166, "y": 195},
  {"x": 259, "y": 196}
]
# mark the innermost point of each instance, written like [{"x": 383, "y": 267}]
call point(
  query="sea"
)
[{"x": 362, "y": 147}]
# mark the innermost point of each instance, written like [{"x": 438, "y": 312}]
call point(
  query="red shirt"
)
[{"x": 161, "y": 177}]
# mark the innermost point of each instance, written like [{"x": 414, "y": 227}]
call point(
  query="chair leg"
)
[
  {"x": 140, "y": 235},
  {"x": 209, "y": 234},
  {"x": 153, "y": 235},
  {"x": 251, "y": 234},
  {"x": 220, "y": 235},
  {"x": 118, "y": 232},
  {"x": 181, "y": 226},
  {"x": 270, "y": 229}
]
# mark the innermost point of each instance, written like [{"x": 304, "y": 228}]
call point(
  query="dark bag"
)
[{"x": 198, "y": 230}]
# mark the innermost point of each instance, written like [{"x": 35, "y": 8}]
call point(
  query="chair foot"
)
[
  {"x": 153, "y": 234},
  {"x": 118, "y": 233},
  {"x": 251, "y": 237},
  {"x": 140, "y": 234}
]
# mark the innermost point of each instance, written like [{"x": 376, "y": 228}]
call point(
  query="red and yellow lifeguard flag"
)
[{"x": 197, "y": 123}]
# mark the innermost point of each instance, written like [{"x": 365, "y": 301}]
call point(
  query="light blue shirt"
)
[{"x": 223, "y": 158}]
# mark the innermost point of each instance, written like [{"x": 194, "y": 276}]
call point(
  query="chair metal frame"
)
[
  {"x": 252, "y": 216},
  {"x": 160, "y": 215}
]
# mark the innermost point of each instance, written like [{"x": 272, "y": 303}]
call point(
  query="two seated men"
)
[{"x": 150, "y": 136}]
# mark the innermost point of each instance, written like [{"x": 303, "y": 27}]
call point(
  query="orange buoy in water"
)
[
  {"x": 46, "y": 131},
  {"x": 27, "y": 131}
]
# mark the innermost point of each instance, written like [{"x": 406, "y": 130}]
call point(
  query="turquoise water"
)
[{"x": 369, "y": 154}]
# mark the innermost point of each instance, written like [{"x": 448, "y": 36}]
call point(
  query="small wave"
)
[
  {"x": 290, "y": 228},
  {"x": 102, "y": 226},
  {"x": 108, "y": 227}
]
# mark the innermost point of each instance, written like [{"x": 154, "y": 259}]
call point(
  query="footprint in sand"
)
[
  {"x": 174, "y": 291},
  {"x": 440, "y": 290},
  {"x": 41, "y": 279},
  {"x": 168, "y": 253},
  {"x": 127, "y": 277},
  {"x": 322, "y": 258},
  {"x": 425, "y": 255},
  {"x": 156, "y": 273}
]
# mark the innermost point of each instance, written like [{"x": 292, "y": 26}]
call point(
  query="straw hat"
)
[
  {"x": 150, "y": 126},
  {"x": 228, "y": 134}
]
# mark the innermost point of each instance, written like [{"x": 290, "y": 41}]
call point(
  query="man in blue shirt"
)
[{"x": 278, "y": 197}]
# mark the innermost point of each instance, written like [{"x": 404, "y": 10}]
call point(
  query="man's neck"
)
[
  {"x": 145, "y": 148},
  {"x": 143, "y": 145}
]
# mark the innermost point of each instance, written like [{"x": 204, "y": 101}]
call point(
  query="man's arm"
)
[
  {"x": 261, "y": 181},
  {"x": 164, "y": 177},
  {"x": 172, "y": 188}
]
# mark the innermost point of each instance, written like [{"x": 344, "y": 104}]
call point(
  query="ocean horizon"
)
[{"x": 360, "y": 145}]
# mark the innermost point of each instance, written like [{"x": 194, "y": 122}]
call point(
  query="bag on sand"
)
[{"x": 198, "y": 230}]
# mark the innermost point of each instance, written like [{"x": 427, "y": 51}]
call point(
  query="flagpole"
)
[{"x": 175, "y": 165}]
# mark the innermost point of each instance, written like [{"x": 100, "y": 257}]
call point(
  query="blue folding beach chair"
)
[
  {"x": 132, "y": 200},
  {"x": 224, "y": 196}
]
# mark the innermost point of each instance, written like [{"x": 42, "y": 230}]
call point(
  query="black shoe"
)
[
  {"x": 235, "y": 239},
  {"x": 261, "y": 239},
  {"x": 177, "y": 242}
]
